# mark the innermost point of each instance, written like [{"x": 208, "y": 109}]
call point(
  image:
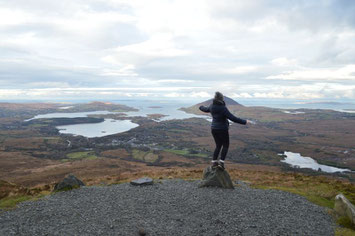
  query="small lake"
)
[
  {"x": 93, "y": 130},
  {"x": 298, "y": 161},
  {"x": 70, "y": 114},
  {"x": 294, "y": 112}
]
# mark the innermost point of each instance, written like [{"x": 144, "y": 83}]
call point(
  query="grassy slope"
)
[{"x": 82, "y": 155}]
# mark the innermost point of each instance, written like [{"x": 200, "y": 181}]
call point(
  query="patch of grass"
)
[
  {"x": 346, "y": 222},
  {"x": 144, "y": 156},
  {"x": 344, "y": 232},
  {"x": 38, "y": 125},
  {"x": 185, "y": 153},
  {"x": 310, "y": 195},
  {"x": 89, "y": 155},
  {"x": 320, "y": 190},
  {"x": 179, "y": 130},
  {"x": 11, "y": 202},
  {"x": 199, "y": 155},
  {"x": 178, "y": 152}
]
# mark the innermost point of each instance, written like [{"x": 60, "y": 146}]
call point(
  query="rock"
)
[
  {"x": 142, "y": 181},
  {"x": 68, "y": 183},
  {"x": 344, "y": 207},
  {"x": 142, "y": 232},
  {"x": 215, "y": 177}
]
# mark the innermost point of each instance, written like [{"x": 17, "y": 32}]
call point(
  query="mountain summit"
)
[{"x": 229, "y": 102}]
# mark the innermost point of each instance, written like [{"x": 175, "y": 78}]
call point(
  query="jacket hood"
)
[{"x": 218, "y": 102}]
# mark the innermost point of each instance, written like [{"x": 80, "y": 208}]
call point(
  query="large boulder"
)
[
  {"x": 344, "y": 207},
  {"x": 68, "y": 183},
  {"x": 215, "y": 177},
  {"x": 142, "y": 181}
]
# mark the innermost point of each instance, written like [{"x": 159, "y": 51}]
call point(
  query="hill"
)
[{"x": 229, "y": 102}]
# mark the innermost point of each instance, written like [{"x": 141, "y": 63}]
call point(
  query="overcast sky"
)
[{"x": 109, "y": 49}]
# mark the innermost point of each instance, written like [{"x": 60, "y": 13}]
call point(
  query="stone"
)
[
  {"x": 68, "y": 183},
  {"x": 344, "y": 207},
  {"x": 142, "y": 181},
  {"x": 216, "y": 177},
  {"x": 142, "y": 232}
]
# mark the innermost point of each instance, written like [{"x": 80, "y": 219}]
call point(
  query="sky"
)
[{"x": 177, "y": 49}]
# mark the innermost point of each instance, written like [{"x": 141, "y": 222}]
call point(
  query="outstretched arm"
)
[
  {"x": 205, "y": 109},
  {"x": 233, "y": 118}
]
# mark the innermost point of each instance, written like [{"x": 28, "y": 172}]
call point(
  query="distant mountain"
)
[
  {"x": 327, "y": 103},
  {"x": 229, "y": 102}
]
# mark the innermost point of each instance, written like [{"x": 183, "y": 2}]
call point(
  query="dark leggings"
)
[{"x": 221, "y": 138}]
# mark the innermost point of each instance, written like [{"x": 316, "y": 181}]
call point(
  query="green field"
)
[
  {"x": 186, "y": 153},
  {"x": 144, "y": 156},
  {"x": 88, "y": 155}
]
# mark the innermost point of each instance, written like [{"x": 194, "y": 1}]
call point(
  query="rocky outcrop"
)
[
  {"x": 215, "y": 177},
  {"x": 142, "y": 181},
  {"x": 68, "y": 183},
  {"x": 344, "y": 207}
]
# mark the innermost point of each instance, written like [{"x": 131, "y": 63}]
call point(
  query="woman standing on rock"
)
[{"x": 219, "y": 127}]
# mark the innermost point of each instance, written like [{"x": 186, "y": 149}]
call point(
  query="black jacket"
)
[{"x": 220, "y": 115}]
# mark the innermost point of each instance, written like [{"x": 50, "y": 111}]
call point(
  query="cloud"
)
[
  {"x": 245, "y": 48},
  {"x": 301, "y": 91},
  {"x": 127, "y": 70},
  {"x": 239, "y": 70},
  {"x": 11, "y": 17},
  {"x": 283, "y": 61},
  {"x": 343, "y": 73},
  {"x": 155, "y": 47},
  {"x": 241, "y": 95}
]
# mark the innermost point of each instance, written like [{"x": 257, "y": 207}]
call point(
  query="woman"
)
[{"x": 219, "y": 127}]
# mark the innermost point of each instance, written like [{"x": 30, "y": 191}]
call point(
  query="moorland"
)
[{"x": 34, "y": 155}]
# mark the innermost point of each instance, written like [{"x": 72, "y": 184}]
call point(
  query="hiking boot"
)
[
  {"x": 221, "y": 164},
  {"x": 214, "y": 164}
]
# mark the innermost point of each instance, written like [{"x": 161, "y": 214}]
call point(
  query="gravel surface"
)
[{"x": 171, "y": 207}]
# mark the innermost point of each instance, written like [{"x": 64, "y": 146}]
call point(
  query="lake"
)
[
  {"x": 298, "y": 161},
  {"x": 69, "y": 114},
  {"x": 170, "y": 110},
  {"x": 92, "y": 130}
]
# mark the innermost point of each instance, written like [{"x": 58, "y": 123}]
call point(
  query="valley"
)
[{"x": 35, "y": 152}]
